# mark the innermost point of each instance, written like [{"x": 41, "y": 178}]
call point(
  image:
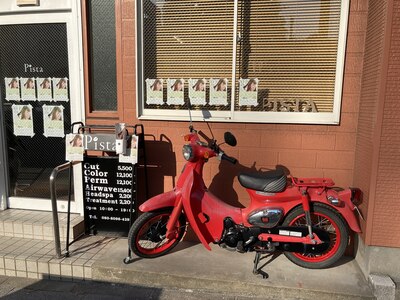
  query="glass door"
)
[{"x": 40, "y": 74}]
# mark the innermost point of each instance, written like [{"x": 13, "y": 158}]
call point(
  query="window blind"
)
[
  {"x": 290, "y": 46},
  {"x": 188, "y": 39}
]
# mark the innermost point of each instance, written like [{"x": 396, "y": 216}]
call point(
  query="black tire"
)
[
  {"x": 333, "y": 223},
  {"x": 145, "y": 237}
]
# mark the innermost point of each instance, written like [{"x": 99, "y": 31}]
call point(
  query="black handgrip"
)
[{"x": 232, "y": 160}]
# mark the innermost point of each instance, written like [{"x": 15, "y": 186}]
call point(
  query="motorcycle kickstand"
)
[{"x": 257, "y": 271}]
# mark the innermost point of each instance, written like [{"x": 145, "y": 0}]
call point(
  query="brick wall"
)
[
  {"x": 306, "y": 150},
  {"x": 385, "y": 229},
  {"x": 368, "y": 112}
]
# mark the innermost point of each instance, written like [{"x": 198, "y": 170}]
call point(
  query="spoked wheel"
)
[
  {"x": 326, "y": 218},
  {"x": 147, "y": 235}
]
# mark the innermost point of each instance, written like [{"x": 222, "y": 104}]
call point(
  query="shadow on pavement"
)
[{"x": 21, "y": 288}]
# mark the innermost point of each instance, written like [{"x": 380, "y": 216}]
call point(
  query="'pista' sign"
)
[
  {"x": 107, "y": 188},
  {"x": 99, "y": 142}
]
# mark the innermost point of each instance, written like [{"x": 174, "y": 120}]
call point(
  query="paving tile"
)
[
  {"x": 43, "y": 267},
  {"x": 8, "y": 227},
  {"x": 32, "y": 266},
  {"x": 2, "y": 272},
  {"x": 28, "y": 229},
  {"x": 87, "y": 272},
  {"x": 1, "y": 263},
  {"x": 18, "y": 228},
  {"x": 80, "y": 262},
  {"x": 34, "y": 258},
  {"x": 23, "y": 256},
  {"x": 11, "y": 273},
  {"x": 32, "y": 275},
  {"x": 66, "y": 271},
  {"x": 20, "y": 265},
  {"x": 48, "y": 231},
  {"x": 9, "y": 264},
  {"x": 86, "y": 256},
  {"x": 68, "y": 261},
  {"x": 54, "y": 269},
  {"x": 21, "y": 274},
  {"x": 38, "y": 231},
  {"x": 77, "y": 272}
]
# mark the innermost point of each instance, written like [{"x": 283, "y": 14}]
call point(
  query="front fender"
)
[{"x": 160, "y": 201}]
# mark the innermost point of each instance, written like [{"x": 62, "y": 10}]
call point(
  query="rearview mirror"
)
[{"x": 230, "y": 139}]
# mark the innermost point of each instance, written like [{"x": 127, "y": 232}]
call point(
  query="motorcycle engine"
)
[{"x": 231, "y": 236}]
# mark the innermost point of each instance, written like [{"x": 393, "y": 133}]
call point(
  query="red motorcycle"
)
[{"x": 305, "y": 218}]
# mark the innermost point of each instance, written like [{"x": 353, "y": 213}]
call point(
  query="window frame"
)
[
  {"x": 90, "y": 114},
  {"x": 328, "y": 118}
]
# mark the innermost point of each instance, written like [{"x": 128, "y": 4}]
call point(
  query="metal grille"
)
[
  {"x": 290, "y": 46},
  {"x": 32, "y": 51},
  {"x": 103, "y": 81}
]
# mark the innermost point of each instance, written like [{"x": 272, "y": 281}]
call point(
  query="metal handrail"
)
[{"x": 53, "y": 196}]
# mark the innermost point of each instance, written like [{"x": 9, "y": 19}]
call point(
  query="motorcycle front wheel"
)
[
  {"x": 147, "y": 238},
  {"x": 326, "y": 218}
]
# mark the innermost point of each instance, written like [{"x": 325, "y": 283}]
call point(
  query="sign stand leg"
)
[
  {"x": 128, "y": 259},
  {"x": 69, "y": 209}
]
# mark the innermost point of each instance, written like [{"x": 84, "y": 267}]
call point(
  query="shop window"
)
[
  {"x": 101, "y": 47},
  {"x": 278, "y": 61}
]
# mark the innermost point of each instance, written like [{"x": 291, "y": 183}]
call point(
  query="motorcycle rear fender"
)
[
  {"x": 161, "y": 201},
  {"x": 348, "y": 210}
]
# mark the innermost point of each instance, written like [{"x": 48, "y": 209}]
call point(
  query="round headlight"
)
[{"x": 187, "y": 152}]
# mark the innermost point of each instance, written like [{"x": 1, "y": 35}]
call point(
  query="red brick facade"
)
[{"x": 377, "y": 168}]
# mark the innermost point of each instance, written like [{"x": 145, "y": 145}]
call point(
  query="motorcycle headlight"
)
[{"x": 187, "y": 152}]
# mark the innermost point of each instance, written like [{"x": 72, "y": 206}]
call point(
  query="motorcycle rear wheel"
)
[
  {"x": 146, "y": 237},
  {"x": 326, "y": 218}
]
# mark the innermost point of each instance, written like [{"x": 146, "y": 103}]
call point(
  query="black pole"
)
[{"x": 69, "y": 209}]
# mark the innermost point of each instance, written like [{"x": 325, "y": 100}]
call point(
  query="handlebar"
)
[{"x": 232, "y": 160}]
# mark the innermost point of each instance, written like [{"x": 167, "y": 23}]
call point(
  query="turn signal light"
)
[{"x": 356, "y": 196}]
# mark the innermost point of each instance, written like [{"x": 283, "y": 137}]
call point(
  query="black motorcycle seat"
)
[{"x": 271, "y": 181}]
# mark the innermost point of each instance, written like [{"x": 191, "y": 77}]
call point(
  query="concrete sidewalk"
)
[{"x": 190, "y": 266}]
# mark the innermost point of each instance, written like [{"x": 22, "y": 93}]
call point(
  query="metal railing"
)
[{"x": 53, "y": 195}]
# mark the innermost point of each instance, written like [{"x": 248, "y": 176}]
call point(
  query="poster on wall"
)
[
  {"x": 218, "y": 91},
  {"x": 74, "y": 147},
  {"x": 22, "y": 120},
  {"x": 44, "y": 89},
  {"x": 60, "y": 89},
  {"x": 248, "y": 89},
  {"x": 28, "y": 89},
  {"x": 197, "y": 91},
  {"x": 53, "y": 121},
  {"x": 131, "y": 154},
  {"x": 12, "y": 88},
  {"x": 175, "y": 91},
  {"x": 154, "y": 88}
]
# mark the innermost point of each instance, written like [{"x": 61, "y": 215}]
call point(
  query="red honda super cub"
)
[{"x": 303, "y": 217}]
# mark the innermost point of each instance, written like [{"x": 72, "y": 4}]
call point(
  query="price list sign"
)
[{"x": 107, "y": 188}]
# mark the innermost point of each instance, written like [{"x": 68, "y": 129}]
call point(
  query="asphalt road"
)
[{"x": 23, "y": 288}]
